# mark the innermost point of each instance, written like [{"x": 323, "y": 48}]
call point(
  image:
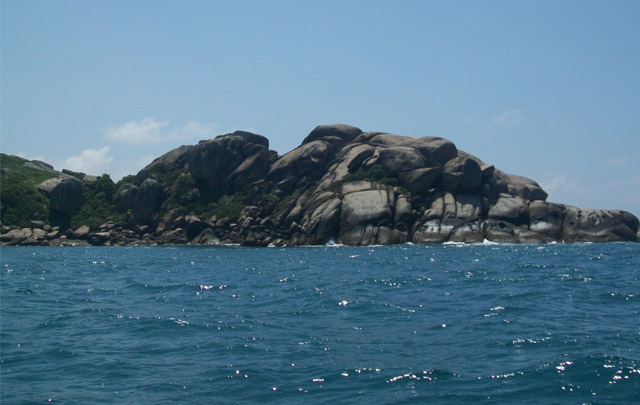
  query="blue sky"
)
[{"x": 548, "y": 90}]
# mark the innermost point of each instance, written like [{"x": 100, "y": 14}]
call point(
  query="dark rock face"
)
[
  {"x": 420, "y": 180},
  {"x": 337, "y": 134},
  {"x": 546, "y": 219},
  {"x": 512, "y": 209},
  {"x": 461, "y": 174},
  {"x": 440, "y": 149},
  {"x": 81, "y": 233},
  {"x": 230, "y": 161},
  {"x": 588, "y": 225},
  {"x": 218, "y": 166},
  {"x": 308, "y": 160},
  {"x": 340, "y": 185},
  {"x": 174, "y": 159},
  {"x": 147, "y": 201},
  {"x": 451, "y": 217},
  {"x": 64, "y": 193},
  {"x": 397, "y": 160},
  {"x": 366, "y": 211},
  {"x": 194, "y": 226},
  {"x": 125, "y": 196},
  {"x": 527, "y": 188}
]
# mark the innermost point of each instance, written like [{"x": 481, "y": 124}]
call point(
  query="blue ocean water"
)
[{"x": 396, "y": 324}]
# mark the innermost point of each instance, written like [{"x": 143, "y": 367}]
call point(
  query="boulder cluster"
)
[{"x": 341, "y": 185}]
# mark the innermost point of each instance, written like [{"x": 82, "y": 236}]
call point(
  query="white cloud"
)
[
  {"x": 194, "y": 130},
  {"x": 90, "y": 161},
  {"x": 148, "y": 130},
  {"x": 618, "y": 161},
  {"x": 145, "y": 131},
  {"x": 509, "y": 117}
]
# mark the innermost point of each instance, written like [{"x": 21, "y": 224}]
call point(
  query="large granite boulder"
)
[
  {"x": 511, "y": 209},
  {"x": 365, "y": 204},
  {"x": 461, "y": 174},
  {"x": 64, "y": 193},
  {"x": 308, "y": 160},
  {"x": 337, "y": 134},
  {"x": 403, "y": 215},
  {"x": 428, "y": 228},
  {"x": 16, "y": 236},
  {"x": 401, "y": 159},
  {"x": 230, "y": 161},
  {"x": 39, "y": 165},
  {"x": 420, "y": 180},
  {"x": 349, "y": 160},
  {"x": 593, "y": 225},
  {"x": 496, "y": 183},
  {"x": 440, "y": 149},
  {"x": 176, "y": 158},
  {"x": 251, "y": 169},
  {"x": 468, "y": 207},
  {"x": 82, "y": 232},
  {"x": 125, "y": 196},
  {"x": 194, "y": 226},
  {"x": 172, "y": 219},
  {"x": 526, "y": 188},
  {"x": 367, "y": 214},
  {"x": 451, "y": 218},
  {"x": 148, "y": 201},
  {"x": 506, "y": 232},
  {"x": 323, "y": 222},
  {"x": 546, "y": 219}
]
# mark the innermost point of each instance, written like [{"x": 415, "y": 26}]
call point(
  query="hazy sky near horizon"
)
[{"x": 548, "y": 89}]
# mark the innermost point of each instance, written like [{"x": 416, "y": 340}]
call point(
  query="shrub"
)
[
  {"x": 22, "y": 203},
  {"x": 230, "y": 206},
  {"x": 375, "y": 173},
  {"x": 98, "y": 206},
  {"x": 20, "y": 200}
]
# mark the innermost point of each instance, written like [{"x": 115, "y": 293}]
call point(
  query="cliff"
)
[{"x": 340, "y": 185}]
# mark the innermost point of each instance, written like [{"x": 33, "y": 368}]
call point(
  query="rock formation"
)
[
  {"x": 64, "y": 193},
  {"x": 341, "y": 185}
]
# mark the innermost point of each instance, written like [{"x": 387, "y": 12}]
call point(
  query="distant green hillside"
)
[
  {"x": 14, "y": 168},
  {"x": 20, "y": 200}
]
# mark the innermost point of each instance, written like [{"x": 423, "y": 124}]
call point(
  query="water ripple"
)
[{"x": 399, "y": 324}]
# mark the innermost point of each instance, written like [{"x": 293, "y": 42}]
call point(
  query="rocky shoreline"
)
[
  {"x": 340, "y": 185},
  {"x": 260, "y": 233}
]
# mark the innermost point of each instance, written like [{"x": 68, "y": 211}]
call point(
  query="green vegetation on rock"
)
[
  {"x": 375, "y": 173},
  {"x": 14, "y": 168},
  {"x": 230, "y": 206},
  {"x": 126, "y": 179},
  {"x": 21, "y": 202},
  {"x": 163, "y": 173},
  {"x": 98, "y": 206}
]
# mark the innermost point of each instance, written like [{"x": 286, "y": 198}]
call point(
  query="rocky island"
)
[{"x": 341, "y": 185}]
